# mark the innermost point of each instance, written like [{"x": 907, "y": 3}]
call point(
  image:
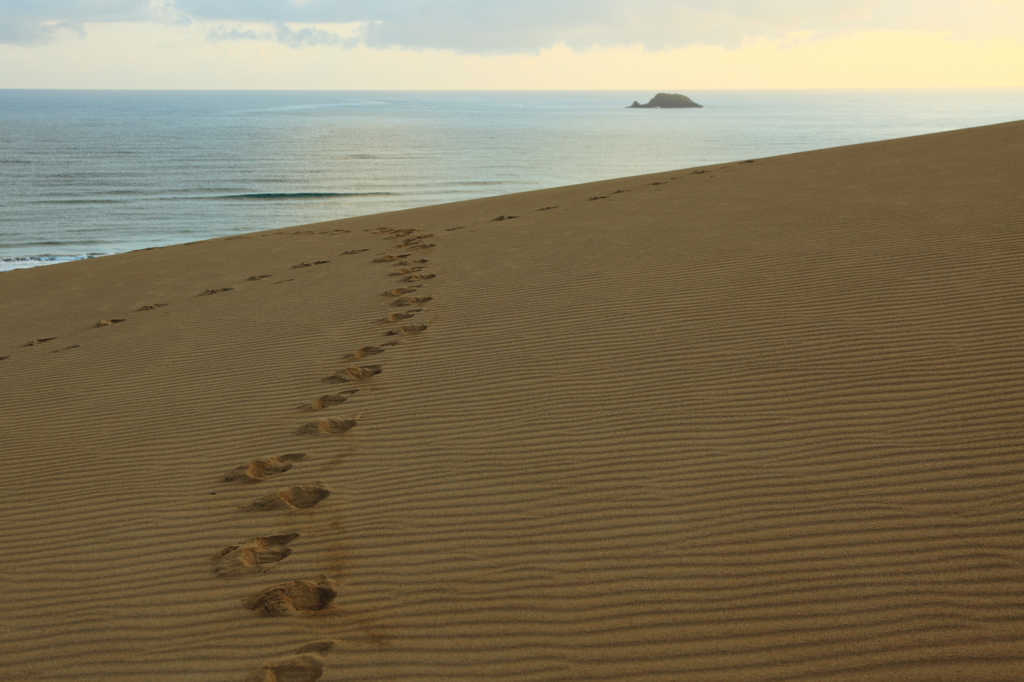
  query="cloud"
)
[
  {"x": 19, "y": 31},
  {"x": 520, "y": 26},
  {"x": 308, "y": 36}
]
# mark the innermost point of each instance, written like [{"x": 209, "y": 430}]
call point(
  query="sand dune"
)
[{"x": 758, "y": 421}]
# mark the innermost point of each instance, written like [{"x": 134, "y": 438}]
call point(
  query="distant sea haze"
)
[{"x": 87, "y": 173}]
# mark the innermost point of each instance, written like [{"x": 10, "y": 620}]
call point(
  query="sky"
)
[{"x": 656, "y": 45}]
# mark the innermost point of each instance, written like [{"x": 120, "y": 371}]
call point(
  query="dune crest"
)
[{"x": 752, "y": 421}]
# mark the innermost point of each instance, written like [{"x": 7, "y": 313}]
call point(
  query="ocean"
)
[{"x": 90, "y": 173}]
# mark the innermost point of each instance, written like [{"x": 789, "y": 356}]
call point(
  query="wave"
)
[
  {"x": 21, "y": 262},
  {"x": 271, "y": 196}
]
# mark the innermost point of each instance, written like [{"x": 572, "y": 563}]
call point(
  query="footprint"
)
[
  {"x": 394, "y": 233},
  {"x": 330, "y": 427},
  {"x": 698, "y": 172},
  {"x": 361, "y": 372},
  {"x": 547, "y": 208},
  {"x": 107, "y": 323},
  {"x": 409, "y": 329},
  {"x": 654, "y": 184},
  {"x": 296, "y": 497},
  {"x": 60, "y": 349},
  {"x": 363, "y": 352},
  {"x": 420, "y": 260},
  {"x": 390, "y": 343},
  {"x": 304, "y": 264},
  {"x": 255, "y": 555},
  {"x": 460, "y": 227},
  {"x": 418, "y": 278},
  {"x": 389, "y": 259},
  {"x": 4, "y": 357},
  {"x": 411, "y": 300},
  {"x": 262, "y": 469},
  {"x": 36, "y": 342},
  {"x": 211, "y": 292},
  {"x": 256, "y": 277},
  {"x": 153, "y": 306},
  {"x": 298, "y": 596},
  {"x": 596, "y": 198},
  {"x": 405, "y": 271},
  {"x": 355, "y": 373},
  {"x": 503, "y": 217},
  {"x": 400, "y": 291},
  {"x": 307, "y": 665},
  {"x": 325, "y": 401},
  {"x": 398, "y": 317},
  {"x": 349, "y": 253}
]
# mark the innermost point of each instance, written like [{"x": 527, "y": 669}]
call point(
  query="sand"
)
[{"x": 757, "y": 421}]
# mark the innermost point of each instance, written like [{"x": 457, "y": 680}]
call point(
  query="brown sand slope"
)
[{"x": 760, "y": 421}]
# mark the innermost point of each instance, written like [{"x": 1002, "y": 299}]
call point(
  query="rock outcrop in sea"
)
[{"x": 664, "y": 100}]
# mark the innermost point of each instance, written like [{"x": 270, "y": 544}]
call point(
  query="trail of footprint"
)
[
  {"x": 411, "y": 300},
  {"x": 307, "y": 665},
  {"x": 211, "y": 292},
  {"x": 153, "y": 306},
  {"x": 296, "y": 597},
  {"x": 330, "y": 427},
  {"x": 408, "y": 329},
  {"x": 262, "y": 469},
  {"x": 107, "y": 323},
  {"x": 329, "y": 400},
  {"x": 255, "y": 555},
  {"x": 295, "y": 497},
  {"x": 354, "y": 373},
  {"x": 398, "y": 317}
]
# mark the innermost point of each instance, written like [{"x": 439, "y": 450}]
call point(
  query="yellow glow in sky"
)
[{"x": 162, "y": 56}]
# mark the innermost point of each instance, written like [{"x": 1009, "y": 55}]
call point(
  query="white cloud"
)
[{"x": 165, "y": 12}]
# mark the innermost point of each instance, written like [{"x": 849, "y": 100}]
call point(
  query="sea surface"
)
[{"x": 88, "y": 173}]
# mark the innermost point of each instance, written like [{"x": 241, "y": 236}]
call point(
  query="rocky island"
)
[{"x": 663, "y": 100}]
